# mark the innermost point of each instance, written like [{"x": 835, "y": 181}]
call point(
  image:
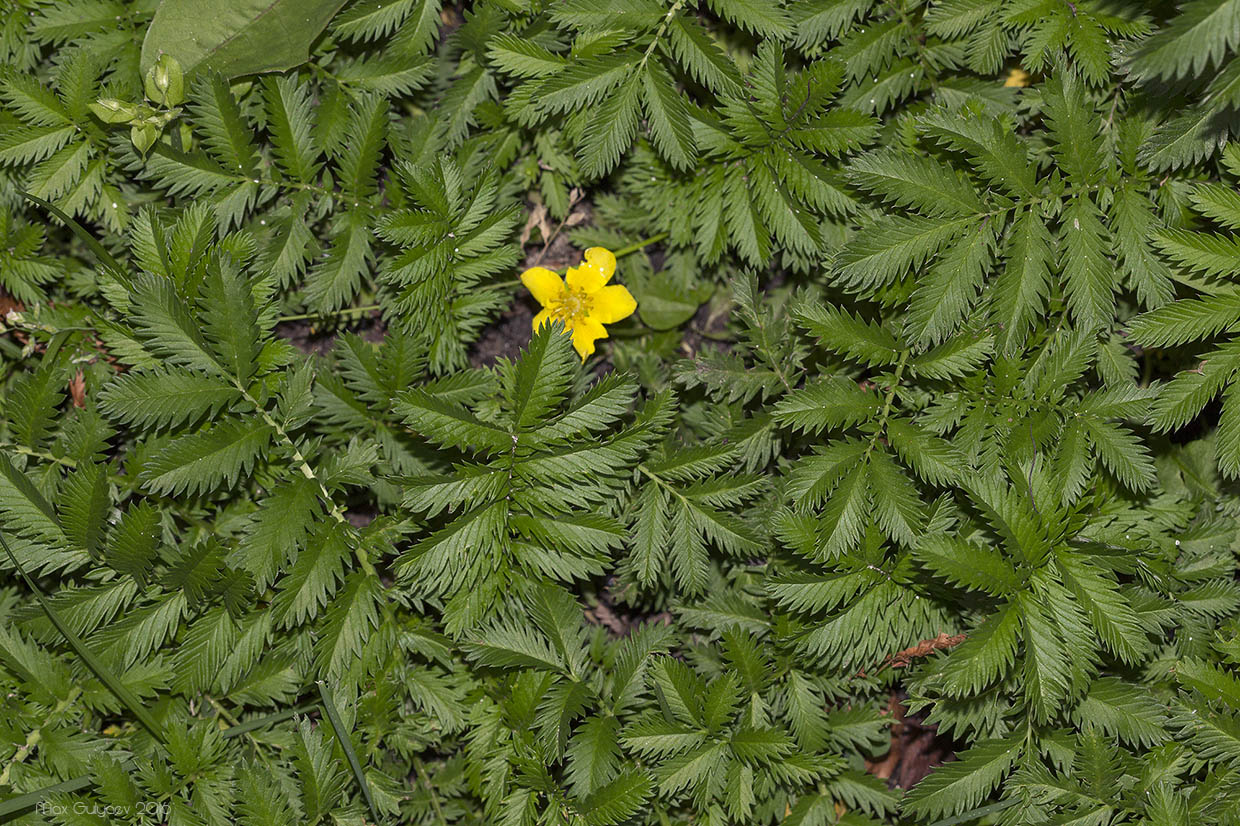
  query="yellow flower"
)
[
  {"x": 1017, "y": 78},
  {"x": 582, "y": 301}
]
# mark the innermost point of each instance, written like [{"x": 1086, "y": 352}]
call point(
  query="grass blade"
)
[
  {"x": 266, "y": 720},
  {"x": 15, "y": 807},
  {"x": 333, "y": 717},
  {"x": 105, "y": 258},
  {"x": 127, "y": 698}
]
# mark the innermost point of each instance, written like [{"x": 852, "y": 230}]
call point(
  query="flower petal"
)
[
  {"x": 592, "y": 273},
  {"x": 542, "y": 318},
  {"x": 543, "y": 284},
  {"x": 611, "y": 304},
  {"x": 585, "y": 332}
]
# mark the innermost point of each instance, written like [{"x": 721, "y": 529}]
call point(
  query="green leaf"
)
[
  {"x": 1023, "y": 286},
  {"x": 664, "y": 305},
  {"x": 830, "y": 403},
  {"x": 891, "y": 246},
  {"x": 837, "y": 330},
  {"x": 523, "y": 58},
  {"x": 987, "y": 654},
  {"x": 1185, "y": 321},
  {"x": 968, "y": 564},
  {"x": 762, "y": 17},
  {"x": 85, "y": 503},
  {"x": 618, "y": 800},
  {"x": 199, "y": 462},
  {"x": 1123, "y": 453},
  {"x": 1211, "y": 681},
  {"x": 963, "y": 784},
  {"x": 30, "y": 513},
  {"x": 449, "y": 424},
  {"x": 585, "y": 82},
  {"x": 914, "y": 181},
  {"x": 350, "y": 621},
  {"x": 540, "y": 377},
  {"x": 1199, "y": 35},
  {"x": 1088, "y": 271},
  {"x": 948, "y": 291},
  {"x": 610, "y": 130},
  {"x": 167, "y": 398},
  {"x": 236, "y": 37},
  {"x": 668, "y": 118},
  {"x": 1124, "y": 710},
  {"x": 1047, "y": 668},
  {"x": 700, "y": 54}
]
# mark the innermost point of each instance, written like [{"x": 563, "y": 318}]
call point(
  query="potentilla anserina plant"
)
[{"x": 650, "y": 413}]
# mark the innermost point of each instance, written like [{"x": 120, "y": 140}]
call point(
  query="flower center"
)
[{"x": 572, "y": 306}]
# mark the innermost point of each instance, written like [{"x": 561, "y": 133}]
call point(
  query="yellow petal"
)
[
  {"x": 592, "y": 273},
  {"x": 1017, "y": 78},
  {"x": 542, "y": 318},
  {"x": 611, "y": 304},
  {"x": 585, "y": 332},
  {"x": 543, "y": 284}
]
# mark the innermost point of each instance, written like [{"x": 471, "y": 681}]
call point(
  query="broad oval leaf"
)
[{"x": 236, "y": 37}]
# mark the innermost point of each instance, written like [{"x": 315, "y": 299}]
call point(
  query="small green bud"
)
[
  {"x": 111, "y": 110},
  {"x": 165, "y": 84},
  {"x": 162, "y": 119},
  {"x": 144, "y": 136}
]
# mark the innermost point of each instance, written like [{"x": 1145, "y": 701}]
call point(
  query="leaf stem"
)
[
  {"x": 640, "y": 245},
  {"x": 369, "y": 308},
  {"x": 306, "y": 470},
  {"x": 654, "y": 477},
  {"x": 658, "y": 35},
  {"x": 430, "y": 787},
  {"x": 33, "y": 738},
  {"x": 888, "y": 402},
  {"x": 38, "y": 454}
]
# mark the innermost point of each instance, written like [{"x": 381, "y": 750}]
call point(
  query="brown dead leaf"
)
[
  {"x": 77, "y": 389},
  {"x": 601, "y": 614},
  {"x": 924, "y": 649},
  {"x": 538, "y": 218},
  {"x": 9, "y": 304},
  {"x": 883, "y": 769}
]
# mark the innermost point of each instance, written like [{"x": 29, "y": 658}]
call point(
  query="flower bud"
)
[
  {"x": 144, "y": 136},
  {"x": 165, "y": 83}
]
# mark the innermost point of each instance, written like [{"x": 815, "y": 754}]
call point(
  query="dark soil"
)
[
  {"x": 706, "y": 330},
  {"x": 506, "y": 337},
  {"x": 318, "y": 336},
  {"x": 619, "y": 619},
  {"x": 916, "y": 748}
]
